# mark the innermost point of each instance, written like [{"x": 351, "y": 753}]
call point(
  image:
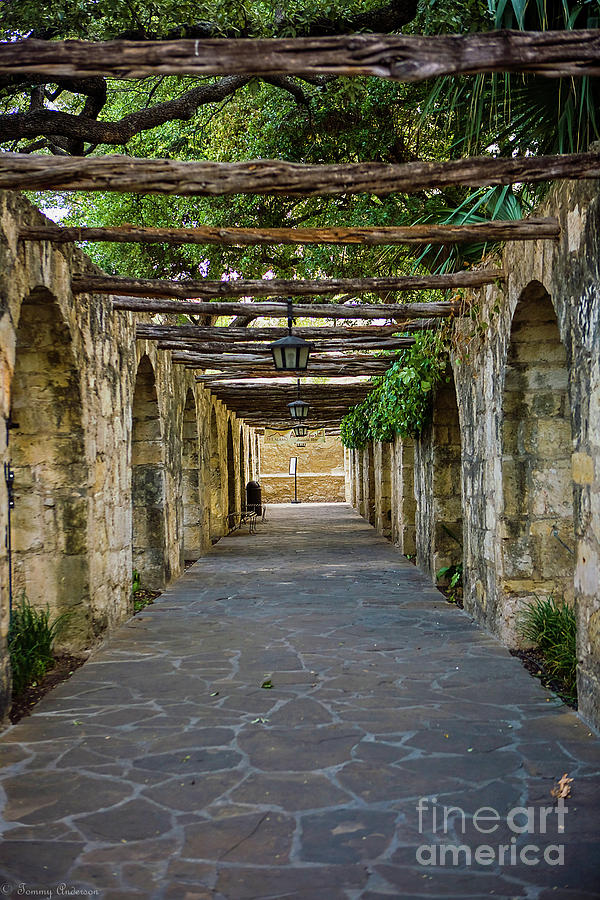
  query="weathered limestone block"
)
[
  {"x": 528, "y": 392},
  {"x": 382, "y": 459},
  {"x": 438, "y": 483},
  {"x": 321, "y": 467},
  {"x": 84, "y": 482},
  {"x": 368, "y": 486},
  {"x": 404, "y": 503},
  {"x": 311, "y": 488}
]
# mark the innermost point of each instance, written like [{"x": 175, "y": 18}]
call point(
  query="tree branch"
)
[
  {"x": 86, "y": 128},
  {"x": 65, "y": 132}
]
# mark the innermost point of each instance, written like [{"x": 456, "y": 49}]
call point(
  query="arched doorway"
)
[
  {"x": 148, "y": 482},
  {"x": 242, "y": 468},
  {"x": 231, "y": 506},
  {"x": 437, "y": 488},
  {"x": 215, "y": 481},
  {"x": 538, "y": 536},
  {"x": 368, "y": 474},
  {"x": 46, "y": 449},
  {"x": 190, "y": 481}
]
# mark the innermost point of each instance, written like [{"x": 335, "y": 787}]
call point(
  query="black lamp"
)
[
  {"x": 301, "y": 430},
  {"x": 298, "y": 408},
  {"x": 290, "y": 354}
]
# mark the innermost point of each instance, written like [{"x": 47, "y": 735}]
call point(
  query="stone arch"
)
[
  {"x": 368, "y": 474},
  {"x": 256, "y": 472},
  {"x": 50, "y": 561},
  {"x": 438, "y": 485},
  {"x": 358, "y": 481},
  {"x": 148, "y": 482},
  {"x": 215, "y": 479},
  {"x": 231, "y": 505},
  {"x": 537, "y": 520},
  {"x": 382, "y": 458},
  {"x": 243, "y": 468},
  {"x": 190, "y": 480}
]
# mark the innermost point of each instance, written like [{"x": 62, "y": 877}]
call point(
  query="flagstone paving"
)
[{"x": 163, "y": 769}]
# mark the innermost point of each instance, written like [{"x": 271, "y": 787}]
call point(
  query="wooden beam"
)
[
  {"x": 233, "y": 359},
  {"x": 281, "y": 411},
  {"x": 227, "y": 335},
  {"x": 276, "y": 287},
  {"x": 398, "y": 57},
  {"x": 214, "y": 378},
  {"x": 266, "y": 176},
  {"x": 265, "y": 402},
  {"x": 280, "y": 408},
  {"x": 397, "y": 311},
  {"x": 311, "y": 389},
  {"x": 523, "y": 230},
  {"x": 253, "y": 349},
  {"x": 266, "y": 395},
  {"x": 265, "y": 366}
]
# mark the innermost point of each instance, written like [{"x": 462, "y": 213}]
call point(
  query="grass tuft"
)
[
  {"x": 30, "y": 638},
  {"x": 551, "y": 626}
]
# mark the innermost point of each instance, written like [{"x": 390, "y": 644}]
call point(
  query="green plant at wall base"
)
[
  {"x": 30, "y": 638},
  {"x": 551, "y": 626},
  {"x": 453, "y": 574},
  {"x": 135, "y": 581},
  {"x": 400, "y": 402},
  {"x": 140, "y": 603}
]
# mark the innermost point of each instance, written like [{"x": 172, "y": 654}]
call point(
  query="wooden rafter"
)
[
  {"x": 524, "y": 230},
  {"x": 209, "y": 379},
  {"x": 253, "y": 349},
  {"x": 267, "y": 397},
  {"x": 229, "y": 335},
  {"x": 399, "y": 57},
  {"x": 265, "y": 358},
  {"x": 276, "y": 287},
  {"x": 397, "y": 311},
  {"x": 267, "y": 176}
]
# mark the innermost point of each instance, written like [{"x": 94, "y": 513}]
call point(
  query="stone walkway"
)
[{"x": 164, "y": 769}]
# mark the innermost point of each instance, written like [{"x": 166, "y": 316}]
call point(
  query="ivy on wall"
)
[{"x": 400, "y": 402}]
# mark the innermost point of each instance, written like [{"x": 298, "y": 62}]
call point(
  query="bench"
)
[{"x": 248, "y": 517}]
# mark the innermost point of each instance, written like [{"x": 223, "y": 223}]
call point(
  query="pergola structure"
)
[{"x": 232, "y": 361}]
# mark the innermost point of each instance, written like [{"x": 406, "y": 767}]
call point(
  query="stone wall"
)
[
  {"x": 320, "y": 469},
  {"x": 437, "y": 486},
  {"x": 510, "y": 464},
  {"x": 115, "y": 464},
  {"x": 529, "y": 398}
]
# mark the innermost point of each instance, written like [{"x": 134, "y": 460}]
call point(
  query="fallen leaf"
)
[{"x": 562, "y": 788}]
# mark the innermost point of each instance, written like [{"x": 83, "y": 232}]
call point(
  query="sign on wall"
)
[{"x": 285, "y": 437}]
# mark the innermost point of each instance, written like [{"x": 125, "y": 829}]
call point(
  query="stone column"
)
[
  {"x": 403, "y": 497},
  {"x": 438, "y": 486},
  {"x": 382, "y": 459},
  {"x": 358, "y": 479},
  {"x": 348, "y": 481},
  {"x": 368, "y": 483}
]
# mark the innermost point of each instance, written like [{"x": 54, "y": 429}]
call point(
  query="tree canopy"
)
[{"x": 320, "y": 119}]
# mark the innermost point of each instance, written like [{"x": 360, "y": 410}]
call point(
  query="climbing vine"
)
[{"x": 400, "y": 402}]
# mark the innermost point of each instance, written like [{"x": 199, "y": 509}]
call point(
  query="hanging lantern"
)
[
  {"x": 298, "y": 408},
  {"x": 301, "y": 430},
  {"x": 290, "y": 354}
]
